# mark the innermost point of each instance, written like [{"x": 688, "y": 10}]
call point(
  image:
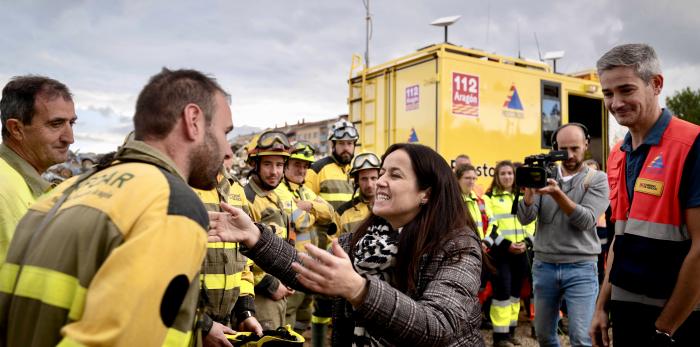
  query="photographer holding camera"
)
[{"x": 566, "y": 244}]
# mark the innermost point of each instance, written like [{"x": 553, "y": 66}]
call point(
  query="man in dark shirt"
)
[{"x": 652, "y": 287}]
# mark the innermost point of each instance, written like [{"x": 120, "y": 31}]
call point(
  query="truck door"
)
[{"x": 591, "y": 113}]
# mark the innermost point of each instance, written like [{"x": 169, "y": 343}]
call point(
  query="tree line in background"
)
[{"x": 685, "y": 103}]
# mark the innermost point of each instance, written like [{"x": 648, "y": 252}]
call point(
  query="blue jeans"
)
[{"x": 577, "y": 284}]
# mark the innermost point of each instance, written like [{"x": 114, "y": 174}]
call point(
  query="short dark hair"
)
[
  {"x": 19, "y": 97},
  {"x": 162, "y": 100},
  {"x": 462, "y": 169}
]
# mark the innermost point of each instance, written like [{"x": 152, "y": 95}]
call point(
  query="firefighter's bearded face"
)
[
  {"x": 367, "y": 180},
  {"x": 270, "y": 170},
  {"x": 343, "y": 151},
  {"x": 572, "y": 140},
  {"x": 207, "y": 158}
]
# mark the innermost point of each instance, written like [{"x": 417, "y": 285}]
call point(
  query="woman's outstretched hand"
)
[{"x": 331, "y": 274}]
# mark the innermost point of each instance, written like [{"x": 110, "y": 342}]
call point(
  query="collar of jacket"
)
[
  {"x": 259, "y": 191},
  {"x": 345, "y": 167},
  {"x": 36, "y": 184},
  {"x": 140, "y": 151}
]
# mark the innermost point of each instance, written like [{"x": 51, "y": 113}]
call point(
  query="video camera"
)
[{"x": 537, "y": 169}]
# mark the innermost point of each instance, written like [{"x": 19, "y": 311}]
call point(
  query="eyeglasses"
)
[
  {"x": 273, "y": 139},
  {"x": 365, "y": 160},
  {"x": 342, "y": 132}
]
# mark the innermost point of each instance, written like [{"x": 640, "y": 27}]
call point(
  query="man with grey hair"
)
[
  {"x": 37, "y": 115},
  {"x": 652, "y": 287}
]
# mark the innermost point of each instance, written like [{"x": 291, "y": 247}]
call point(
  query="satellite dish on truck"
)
[{"x": 445, "y": 22}]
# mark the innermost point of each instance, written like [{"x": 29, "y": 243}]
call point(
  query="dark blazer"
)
[{"x": 444, "y": 310}]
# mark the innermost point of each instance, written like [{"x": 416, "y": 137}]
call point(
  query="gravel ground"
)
[{"x": 524, "y": 332}]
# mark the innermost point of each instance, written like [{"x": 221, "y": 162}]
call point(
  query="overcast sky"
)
[{"x": 287, "y": 60}]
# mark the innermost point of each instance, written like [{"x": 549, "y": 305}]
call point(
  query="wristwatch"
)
[{"x": 662, "y": 339}]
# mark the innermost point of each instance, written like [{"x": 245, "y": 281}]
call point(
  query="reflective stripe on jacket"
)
[
  {"x": 509, "y": 228},
  {"x": 266, "y": 207},
  {"x": 225, "y": 275},
  {"x": 118, "y": 265},
  {"x": 653, "y": 224},
  {"x": 351, "y": 214},
  {"x": 20, "y": 186},
  {"x": 329, "y": 180}
]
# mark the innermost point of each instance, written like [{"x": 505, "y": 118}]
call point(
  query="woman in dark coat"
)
[{"x": 408, "y": 276}]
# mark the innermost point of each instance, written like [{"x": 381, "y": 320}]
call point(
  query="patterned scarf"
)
[{"x": 375, "y": 255}]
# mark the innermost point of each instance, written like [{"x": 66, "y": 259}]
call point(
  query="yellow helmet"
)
[
  {"x": 303, "y": 151},
  {"x": 271, "y": 142}
]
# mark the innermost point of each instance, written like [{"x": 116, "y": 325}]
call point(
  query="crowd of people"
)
[{"x": 158, "y": 243}]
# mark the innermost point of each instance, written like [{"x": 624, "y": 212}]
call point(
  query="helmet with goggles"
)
[
  {"x": 343, "y": 130},
  {"x": 364, "y": 161},
  {"x": 303, "y": 151},
  {"x": 271, "y": 142}
]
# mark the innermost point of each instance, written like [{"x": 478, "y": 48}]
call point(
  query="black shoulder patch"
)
[
  {"x": 319, "y": 164},
  {"x": 172, "y": 299},
  {"x": 185, "y": 202},
  {"x": 345, "y": 206},
  {"x": 249, "y": 193}
]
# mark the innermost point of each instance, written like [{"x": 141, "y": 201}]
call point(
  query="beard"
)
[
  {"x": 344, "y": 158},
  {"x": 572, "y": 166},
  {"x": 205, "y": 163}
]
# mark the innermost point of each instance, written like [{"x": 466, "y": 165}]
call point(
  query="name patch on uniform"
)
[{"x": 648, "y": 186}]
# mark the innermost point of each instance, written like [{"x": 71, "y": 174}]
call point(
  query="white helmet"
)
[{"x": 343, "y": 130}]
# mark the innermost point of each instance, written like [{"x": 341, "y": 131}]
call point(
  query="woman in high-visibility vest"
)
[
  {"x": 476, "y": 207},
  {"x": 507, "y": 243}
]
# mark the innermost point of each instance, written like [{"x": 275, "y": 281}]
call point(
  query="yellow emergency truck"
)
[{"x": 458, "y": 100}]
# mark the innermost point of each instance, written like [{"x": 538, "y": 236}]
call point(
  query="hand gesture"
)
[
  {"x": 282, "y": 292},
  {"x": 216, "y": 337},
  {"x": 252, "y": 325},
  {"x": 551, "y": 187},
  {"x": 304, "y": 205},
  {"x": 516, "y": 248},
  {"x": 330, "y": 274},
  {"x": 232, "y": 225}
]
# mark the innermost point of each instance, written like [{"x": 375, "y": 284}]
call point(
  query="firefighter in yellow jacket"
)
[
  {"x": 112, "y": 258},
  {"x": 364, "y": 173},
  {"x": 328, "y": 178},
  {"x": 508, "y": 251},
  {"x": 226, "y": 278},
  {"x": 268, "y": 155},
  {"x": 309, "y": 210}
]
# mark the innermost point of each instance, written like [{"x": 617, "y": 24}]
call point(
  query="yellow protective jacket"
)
[
  {"x": 226, "y": 278},
  {"x": 266, "y": 207},
  {"x": 351, "y": 214},
  {"x": 329, "y": 180},
  {"x": 301, "y": 221},
  {"x": 472, "y": 203},
  {"x": 509, "y": 228},
  {"x": 118, "y": 264},
  {"x": 20, "y": 186}
]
